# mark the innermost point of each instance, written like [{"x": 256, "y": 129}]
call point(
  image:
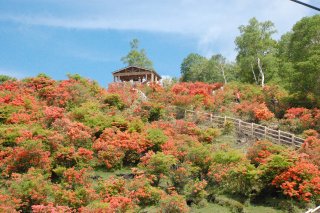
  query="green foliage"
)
[
  {"x": 91, "y": 114},
  {"x": 195, "y": 191},
  {"x": 32, "y": 188},
  {"x": 197, "y": 68},
  {"x": 243, "y": 181},
  {"x": 43, "y": 75},
  {"x": 228, "y": 127},
  {"x": 233, "y": 205},
  {"x": 255, "y": 43},
  {"x": 155, "y": 113},
  {"x": 183, "y": 175},
  {"x": 6, "y": 111},
  {"x": 114, "y": 100},
  {"x": 226, "y": 157},
  {"x": 136, "y": 125},
  {"x": 305, "y": 56},
  {"x": 173, "y": 204},
  {"x": 159, "y": 165},
  {"x": 4, "y": 78},
  {"x": 137, "y": 57},
  {"x": 187, "y": 65},
  {"x": 276, "y": 165},
  {"x": 200, "y": 156},
  {"x": 208, "y": 135},
  {"x": 157, "y": 138}
]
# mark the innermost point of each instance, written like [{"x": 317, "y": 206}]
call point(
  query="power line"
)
[{"x": 307, "y": 5}]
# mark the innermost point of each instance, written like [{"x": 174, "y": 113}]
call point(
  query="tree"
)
[
  {"x": 198, "y": 68},
  {"x": 304, "y": 54},
  {"x": 220, "y": 70},
  {"x": 285, "y": 65},
  {"x": 137, "y": 57},
  {"x": 4, "y": 78},
  {"x": 191, "y": 67},
  {"x": 256, "y": 52}
]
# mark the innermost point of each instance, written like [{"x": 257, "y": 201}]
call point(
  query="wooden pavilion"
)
[{"x": 135, "y": 74}]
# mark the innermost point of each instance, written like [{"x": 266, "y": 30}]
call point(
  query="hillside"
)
[{"x": 72, "y": 146}]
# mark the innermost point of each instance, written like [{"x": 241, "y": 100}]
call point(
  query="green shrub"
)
[
  {"x": 91, "y": 115},
  {"x": 136, "y": 125},
  {"x": 276, "y": 165},
  {"x": 201, "y": 157},
  {"x": 209, "y": 135},
  {"x": 31, "y": 188},
  {"x": 173, "y": 204},
  {"x": 226, "y": 157},
  {"x": 4, "y": 78},
  {"x": 96, "y": 206},
  {"x": 155, "y": 113},
  {"x": 243, "y": 181},
  {"x": 228, "y": 127},
  {"x": 114, "y": 100},
  {"x": 233, "y": 205},
  {"x": 195, "y": 191},
  {"x": 157, "y": 138},
  {"x": 159, "y": 164},
  {"x": 182, "y": 175},
  {"x": 151, "y": 111}
]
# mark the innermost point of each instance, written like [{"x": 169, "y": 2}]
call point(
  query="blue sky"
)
[{"x": 90, "y": 37}]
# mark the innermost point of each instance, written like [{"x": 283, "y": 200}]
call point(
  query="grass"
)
[
  {"x": 261, "y": 209},
  {"x": 210, "y": 208},
  {"x": 215, "y": 208},
  {"x": 105, "y": 174}
]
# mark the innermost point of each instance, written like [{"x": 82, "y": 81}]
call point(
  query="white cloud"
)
[
  {"x": 213, "y": 23},
  {"x": 12, "y": 73}
]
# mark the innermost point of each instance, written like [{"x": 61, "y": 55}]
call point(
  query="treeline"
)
[{"x": 292, "y": 62}]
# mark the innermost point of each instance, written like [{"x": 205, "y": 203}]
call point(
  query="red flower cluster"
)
[{"x": 300, "y": 181}]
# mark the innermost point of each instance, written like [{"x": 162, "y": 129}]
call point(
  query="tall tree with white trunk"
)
[{"x": 257, "y": 52}]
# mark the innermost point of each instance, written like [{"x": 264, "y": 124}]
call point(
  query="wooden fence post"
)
[
  {"x": 292, "y": 141},
  {"x": 239, "y": 126},
  {"x": 279, "y": 136},
  {"x": 185, "y": 114},
  {"x": 252, "y": 132},
  {"x": 225, "y": 120},
  {"x": 211, "y": 117},
  {"x": 265, "y": 132}
]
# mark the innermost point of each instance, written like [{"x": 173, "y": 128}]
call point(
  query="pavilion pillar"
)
[{"x": 152, "y": 77}]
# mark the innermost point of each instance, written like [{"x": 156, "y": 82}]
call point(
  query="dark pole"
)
[{"x": 307, "y": 5}]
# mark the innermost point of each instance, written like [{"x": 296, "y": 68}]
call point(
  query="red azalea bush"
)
[
  {"x": 143, "y": 193},
  {"x": 302, "y": 119},
  {"x": 311, "y": 147},
  {"x": 76, "y": 132},
  {"x": 253, "y": 111},
  {"x": 301, "y": 181},
  {"x": 113, "y": 146},
  {"x": 9, "y": 203},
  {"x": 198, "y": 93},
  {"x": 261, "y": 150},
  {"x": 121, "y": 204},
  {"x": 31, "y": 188},
  {"x": 173, "y": 204},
  {"x": 51, "y": 208},
  {"x": 20, "y": 159},
  {"x": 125, "y": 91}
]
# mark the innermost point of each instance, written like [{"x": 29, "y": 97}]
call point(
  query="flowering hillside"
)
[{"x": 72, "y": 146}]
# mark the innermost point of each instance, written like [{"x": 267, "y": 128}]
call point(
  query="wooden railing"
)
[
  {"x": 314, "y": 210},
  {"x": 252, "y": 129}
]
